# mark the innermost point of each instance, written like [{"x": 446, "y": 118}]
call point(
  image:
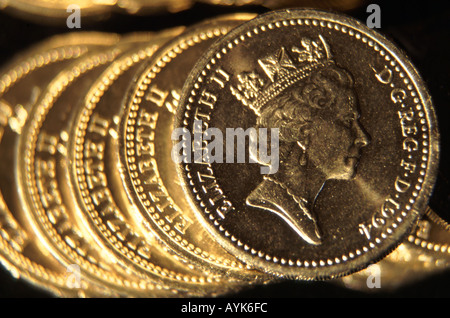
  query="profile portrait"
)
[{"x": 313, "y": 102}]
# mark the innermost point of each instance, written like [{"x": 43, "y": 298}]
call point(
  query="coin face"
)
[{"x": 309, "y": 144}]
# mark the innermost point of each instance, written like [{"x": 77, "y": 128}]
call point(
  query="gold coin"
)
[
  {"x": 21, "y": 84},
  {"x": 353, "y": 134},
  {"x": 94, "y": 176},
  {"x": 38, "y": 172}
]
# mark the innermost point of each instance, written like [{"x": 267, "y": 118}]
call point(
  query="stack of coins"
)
[{"x": 119, "y": 177}]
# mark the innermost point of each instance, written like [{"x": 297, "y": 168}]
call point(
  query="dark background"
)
[{"x": 421, "y": 29}]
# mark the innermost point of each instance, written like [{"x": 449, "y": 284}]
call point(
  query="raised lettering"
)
[
  {"x": 207, "y": 99},
  {"x": 401, "y": 185},
  {"x": 156, "y": 96},
  {"x": 94, "y": 149},
  {"x": 410, "y": 144},
  {"x": 147, "y": 119},
  {"x": 98, "y": 125},
  {"x": 220, "y": 77},
  {"x": 385, "y": 76},
  {"x": 398, "y": 95},
  {"x": 408, "y": 166},
  {"x": 47, "y": 143}
]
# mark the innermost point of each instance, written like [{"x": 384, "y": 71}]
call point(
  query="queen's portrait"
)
[{"x": 312, "y": 101}]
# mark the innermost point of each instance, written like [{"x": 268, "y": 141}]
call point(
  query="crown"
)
[{"x": 281, "y": 71}]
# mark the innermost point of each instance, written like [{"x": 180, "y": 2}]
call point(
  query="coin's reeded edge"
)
[
  {"x": 366, "y": 254},
  {"x": 437, "y": 219}
]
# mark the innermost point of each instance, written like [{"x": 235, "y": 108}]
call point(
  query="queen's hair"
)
[{"x": 293, "y": 111}]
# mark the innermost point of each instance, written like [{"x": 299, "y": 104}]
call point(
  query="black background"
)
[{"x": 421, "y": 29}]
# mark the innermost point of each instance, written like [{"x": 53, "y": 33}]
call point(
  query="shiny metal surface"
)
[{"x": 309, "y": 209}]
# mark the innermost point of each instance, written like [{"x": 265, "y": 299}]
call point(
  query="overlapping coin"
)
[
  {"x": 145, "y": 151},
  {"x": 22, "y": 82},
  {"x": 42, "y": 176}
]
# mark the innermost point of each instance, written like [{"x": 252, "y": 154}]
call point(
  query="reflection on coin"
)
[
  {"x": 43, "y": 178},
  {"x": 56, "y": 12},
  {"x": 145, "y": 7},
  {"x": 338, "y": 5},
  {"x": 94, "y": 176},
  {"x": 145, "y": 146},
  {"x": 21, "y": 84},
  {"x": 352, "y": 133},
  {"x": 426, "y": 252}
]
